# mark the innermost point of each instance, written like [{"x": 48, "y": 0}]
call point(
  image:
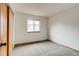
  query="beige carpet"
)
[{"x": 46, "y": 48}]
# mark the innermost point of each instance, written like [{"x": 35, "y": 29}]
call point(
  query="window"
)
[{"x": 33, "y": 26}]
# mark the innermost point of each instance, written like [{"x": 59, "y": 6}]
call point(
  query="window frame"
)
[{"x": 34, "y": 27}]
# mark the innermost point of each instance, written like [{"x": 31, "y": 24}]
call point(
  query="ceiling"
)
[{"x": 40, "y": 9}]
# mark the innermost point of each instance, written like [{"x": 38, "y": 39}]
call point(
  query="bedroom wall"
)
[
  {"x": 64, "y": 28},
  {"x": 20, "y": 33}
]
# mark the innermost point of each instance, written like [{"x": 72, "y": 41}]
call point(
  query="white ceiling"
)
[{"x": 40, "y": 9}]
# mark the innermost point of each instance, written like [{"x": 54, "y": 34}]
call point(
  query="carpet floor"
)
[{"x": 46, "y": 48}]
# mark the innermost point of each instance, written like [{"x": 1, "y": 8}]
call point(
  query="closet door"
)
[
  {"x": 3, "y": 30},
  {"x": 6, "y": 30},
  {"x": 10, "y": 34}
]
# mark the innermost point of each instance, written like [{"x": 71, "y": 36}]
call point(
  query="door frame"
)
[{"x": 8, "y": 29}]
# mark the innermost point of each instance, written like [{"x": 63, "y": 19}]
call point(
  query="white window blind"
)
[{"x": 33, "y": 25}]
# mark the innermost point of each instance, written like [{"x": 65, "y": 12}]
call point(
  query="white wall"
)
[
  {"x": 20, "y": 33},
  {"x": 64, "y": 28}
]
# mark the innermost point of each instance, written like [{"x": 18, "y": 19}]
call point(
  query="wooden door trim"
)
[{"x": 8, "y": 29}]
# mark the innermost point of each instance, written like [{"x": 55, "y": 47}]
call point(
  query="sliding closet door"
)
[
  {"x": 3, "y": 30},
  {"x": 6, "y": 30},
  {"x": 10, "y": 31},
  {"x": 0, "y": 29}
]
